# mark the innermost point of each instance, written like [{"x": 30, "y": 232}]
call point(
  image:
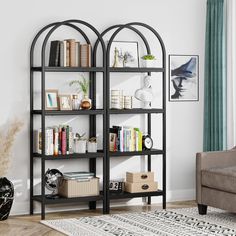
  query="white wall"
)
[{"x": 182, "y": 26}]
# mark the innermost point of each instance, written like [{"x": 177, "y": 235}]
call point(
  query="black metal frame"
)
[{"x": 106, "y": 112}]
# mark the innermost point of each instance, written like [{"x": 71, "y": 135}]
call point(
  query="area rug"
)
[{"x": 184, "y": 221}]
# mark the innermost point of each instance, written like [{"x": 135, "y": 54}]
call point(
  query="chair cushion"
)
[{"x": 220, "y": 178}]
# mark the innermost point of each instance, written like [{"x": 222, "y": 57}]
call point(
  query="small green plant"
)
[
  {"x": 81, "y": 86},
  {"x": 148, "y": 57},
  {"x": 80, "y": 137}
]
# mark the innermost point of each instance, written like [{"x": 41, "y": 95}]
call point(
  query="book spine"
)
[
  {"x": 63, "y": 141},
  {"x": 85, "y": 55},
  {"x": 140, "y": 148},
  {"x": 70, "y": 141},
  {"x": 47, "y": 142},
  {"x": 67, "y": 53},
  {"x": 55, "y": 140},
  {"x": 62, "y": 54},
  {"x": 72, "y": 52},
  {"x": 38, "y": 141},
  {"x": 51, "y": 141},
  {"x": 67, "y": 139},
  {"x": 59, "y": 140},
  {"x": 54, "y": 55},
  {"x": 77, "y": 54}
]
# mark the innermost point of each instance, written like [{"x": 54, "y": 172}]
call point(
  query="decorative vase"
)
[
  {"x": 148, "y": 63},
  {"x": 6, "y": 197},
  {"x": 86, "y": 103},
  {"x": 80, "y": 146},
  {"x": 92, "y": 147}
]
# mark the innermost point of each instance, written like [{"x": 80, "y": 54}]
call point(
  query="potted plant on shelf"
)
[
  {"x": 6, "y": 187},
  {"x": 83, "y": 86},
  {"x": 92, "y": 144},
  {"x": 148, "y": 60},
  {"x": 80, "y": 143}
]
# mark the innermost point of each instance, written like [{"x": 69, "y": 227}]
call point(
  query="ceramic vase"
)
[
  {"x": 6, "y": 197},
  {"x": 86, "y": 103}
]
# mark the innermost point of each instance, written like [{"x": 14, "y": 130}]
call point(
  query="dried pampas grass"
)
[{"x": 7, "y": 139}]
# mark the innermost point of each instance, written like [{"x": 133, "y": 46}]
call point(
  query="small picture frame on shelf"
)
[
  {"x": 124, "y": 54},
  {"x": 65, "y": 102},
  {"x": 51, "y": 99}
]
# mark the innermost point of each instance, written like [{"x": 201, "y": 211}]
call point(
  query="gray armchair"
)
[{"x": 216, "y": 180}]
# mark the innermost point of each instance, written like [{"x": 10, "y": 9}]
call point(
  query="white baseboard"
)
[{"x": 22, "y": 208}]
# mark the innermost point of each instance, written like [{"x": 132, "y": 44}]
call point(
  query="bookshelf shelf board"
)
[
  {"x": 68, "y": 69},
  {"x": 134, "y": 195},
  {"x": 137, "y": 153},
  {"x": 136, "y": 69},
  {"x": 135, "y": 111},
  {"x": 71, "y": 156},
  {"x": 39, "y": 198},
  {"x": 62, "y": 113}
]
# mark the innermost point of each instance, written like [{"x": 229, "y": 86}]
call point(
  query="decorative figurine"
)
[{"x": 145, "y": 94}]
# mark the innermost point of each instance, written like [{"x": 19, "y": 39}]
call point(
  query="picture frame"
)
[
  {"x": 124, "y": 54},
  {"x": 65, "y": 102},
  {"x": 183, "y": 78},
  {"x": 51, "y": 99}
]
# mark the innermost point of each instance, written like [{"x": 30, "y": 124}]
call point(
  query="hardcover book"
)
[{"x": 54, "y": 56}]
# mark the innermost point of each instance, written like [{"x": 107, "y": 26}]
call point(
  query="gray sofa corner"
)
[{"x": 216, "y": 180}]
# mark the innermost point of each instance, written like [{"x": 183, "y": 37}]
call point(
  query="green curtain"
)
[{"x": 215, "y": 78}]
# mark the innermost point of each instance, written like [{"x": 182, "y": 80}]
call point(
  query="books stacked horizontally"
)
[
  {"x": 69, "y": 53},
  {"x": 80, "y": 176},
  {"x": 58, "y": 140},
  {"x": 125, "y": 139}
]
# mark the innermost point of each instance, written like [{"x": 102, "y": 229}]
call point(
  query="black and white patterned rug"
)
[{"x": 185, "y": 221}]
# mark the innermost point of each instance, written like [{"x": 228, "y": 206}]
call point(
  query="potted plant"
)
[
  {"x": 92, "y": 144},
  {"x": 80, "y": 143},
  {"x": 148, "y": 60},
  {"x": 6, "y": 187},
  {"x": 83, "y": 86}
]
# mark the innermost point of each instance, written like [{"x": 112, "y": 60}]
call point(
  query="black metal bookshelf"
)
[{"x": 105, "y": 196}]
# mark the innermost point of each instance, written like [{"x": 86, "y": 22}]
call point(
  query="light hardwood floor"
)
[{"x": 31, "y": 226}]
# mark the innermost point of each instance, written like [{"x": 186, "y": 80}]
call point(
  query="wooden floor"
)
[{"x": 30, "y": 225}]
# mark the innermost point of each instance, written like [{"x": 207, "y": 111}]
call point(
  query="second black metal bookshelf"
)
[{"x": 105, "y": 112}]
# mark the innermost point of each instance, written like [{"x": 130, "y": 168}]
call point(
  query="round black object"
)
[
  {"x": 51, "y": 179},
  {"x": 6, "y": 197}
]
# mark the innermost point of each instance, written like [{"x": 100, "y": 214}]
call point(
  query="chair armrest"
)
[{"x": 207, "y": 160}]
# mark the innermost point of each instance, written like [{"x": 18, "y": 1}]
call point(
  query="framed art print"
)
[
  {"x": 51, "y": 99},
  {"x": 124, "y": 54},
  {"x": 183, "y": 78}
]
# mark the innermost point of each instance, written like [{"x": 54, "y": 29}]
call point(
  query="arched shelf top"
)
[
  {"x": 127, "y": 27},
  {"x": 136, "y": 24},
  {"x": 49, "y": 26},
  {"x": 59, "y": 24}
]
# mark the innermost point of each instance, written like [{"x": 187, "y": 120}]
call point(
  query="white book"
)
[
  {"x": 64, "y": 53},
  {"x": 47, "y": 141},
  {"x": 56, "y": 140}
]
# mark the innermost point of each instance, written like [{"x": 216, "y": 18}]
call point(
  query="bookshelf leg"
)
[
  {"x": 164, "y": 202},
  {"x": 42, "y": 211},
  {"x": 92, "y": 205},
  {"x": 149, "y": 201},
  {"x": 31, "y": 207}
]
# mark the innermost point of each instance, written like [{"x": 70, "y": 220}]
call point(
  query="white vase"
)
[
  {"x": 148, "y": 63},
  {"x": 80, "y": 146},
  {"x": 92, "y": 147}
]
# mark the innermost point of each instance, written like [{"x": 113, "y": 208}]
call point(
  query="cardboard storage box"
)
[
  {"x": 75, "y": 188},
  {"x": 141, "y": 187},
  {"x": 140, "y": 177}
]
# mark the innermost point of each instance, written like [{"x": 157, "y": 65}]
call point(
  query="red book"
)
[{"x": 63, "y": 141}]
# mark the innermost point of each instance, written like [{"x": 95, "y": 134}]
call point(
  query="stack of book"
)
[
  {"x": 69, "y": 53},
  {"x": 79, "y": 176},
  {"x": 58, "y": 140},
  {"x": 125, "y": 139}
]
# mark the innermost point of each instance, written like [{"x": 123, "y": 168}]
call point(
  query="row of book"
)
[
  {"x": 58, "y": 140},
  {"x": 69, "y": 53},
  {"x": 125, "y": 139}
]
